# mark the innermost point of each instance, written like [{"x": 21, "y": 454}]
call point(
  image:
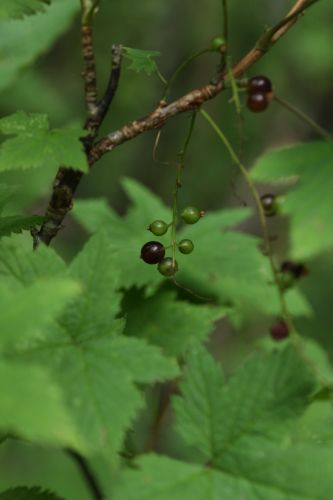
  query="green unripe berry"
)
[
  {"x": 158, "y": 227},
  {"x": 217, "y": 43},
  {"x": 186, "y": 246},
  {"x": 167, "y": 266},
  {"x": 286, "y": 280},
  {"x": 191, "y": 215}
]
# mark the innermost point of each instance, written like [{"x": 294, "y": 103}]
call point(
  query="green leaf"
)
[
  {"x": 23, "y": 267},
  {"x": 277, "y": 471},
  {"x": 310, "y": 166},
  {"x": 167, "y": 322},
  {"x": 96, "y": 367},
  {"x": 230, "y": 265},
  {"x": 35, "y": 145},
  {"x": 27, "y": 311},
  {"x": 17, "y": 223},
  {"x": 31, "y": 406},
  {"x": 141, "y": 60},
  {"x": 243, "y": 429},
  {"x": 266, "y": 391},
  {"x": 20, "y": 8},
  {"x": 225, "y": 264},
  {"x": 23, "y": 42},
  {"x": 6, "y": 192},
  {"x": 128, "y": 233}
]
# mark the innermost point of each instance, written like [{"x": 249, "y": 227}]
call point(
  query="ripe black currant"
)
[
  {"x": 186, "y": 246},
  {"x": 158, "y": 227},
  {"x": 279, "y": 330},
  {"x": 257, "y": 102},
  {"x": 259, "y": 84},
  {"x": 152, "y": 252},
  {"x": 167, "y": 266},
  {"x": 191, "y": 215},
  {"x": 217, "y": 43},
  {"x": 297, "y": 270},
  {"x": 269, "y": 204}
]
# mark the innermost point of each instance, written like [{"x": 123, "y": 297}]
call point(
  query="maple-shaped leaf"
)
[
  {"x": 96, "y": 366},
  {"x": 141, "y": 60},
  {"x": 243, "y": 429},
  {"x": 35, "y": 145}
]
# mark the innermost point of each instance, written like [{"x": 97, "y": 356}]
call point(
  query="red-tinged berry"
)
[
  {"x": 186, "y": 246},
  {"x": 152, "y": 252},
  {"x": 158, "y": 227},
  {"x": 297, "y": 270},
  {"x": 279, "y": 331},
  {"x": 217, "y": 44},
  {"x": 168, "y": 267},
  {"x": 257, "y": 102},
  {"x": 191, "y": 215},
  {"x": 269, "y": 204},
  {"x": 259, "y": 84}
]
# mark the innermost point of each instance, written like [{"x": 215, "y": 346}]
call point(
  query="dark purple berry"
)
[
  {"x": 298, "y": 270},
  {"x": 280, "y": 330},
  {"x": 152, "y": 252},
  {"x": 269, "y": 204},
  {"x": 259, "y": 84},
  {"x": 257, "y": 102}
]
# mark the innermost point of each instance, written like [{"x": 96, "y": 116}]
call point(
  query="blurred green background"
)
[{"x": 47, "y": 79}]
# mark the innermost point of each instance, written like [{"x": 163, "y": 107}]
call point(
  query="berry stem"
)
[
  {"x": 225, "y": 23},
  {"x": 180, "y": 169},
  {"x": 304, "y": 117},
  {"x": 180, "y": 68},
  {"x": 262, "y": 218}
]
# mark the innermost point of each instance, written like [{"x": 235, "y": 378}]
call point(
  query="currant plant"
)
[{"x": 194, "y": 363}]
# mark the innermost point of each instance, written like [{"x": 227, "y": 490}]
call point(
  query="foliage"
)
[
  {"x": 141, "y": 60},
  {"x": 20, "y": 8},
  {"x": 35, "y": 145},
  {"x": 161, "y": 387},
  {"x": 22, "y": 493},
  {"x": 309, "y": 167}
]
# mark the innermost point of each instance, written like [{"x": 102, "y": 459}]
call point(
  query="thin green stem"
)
[
  {"x": 225, "y": 22},
  {"x": 178, "y": 183},
  {"x": 180, "y": 69},
  {"x": 88, "y": 9},
  {"x": 304, "y": 117},
  {"x": 262, "y": 218}
]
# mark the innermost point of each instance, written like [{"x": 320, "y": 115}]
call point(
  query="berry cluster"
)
[
  {"x": 289, "y": 273},
  {"x": 259, "y": 89},
  {"x": 153, "y": 252}
]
